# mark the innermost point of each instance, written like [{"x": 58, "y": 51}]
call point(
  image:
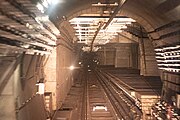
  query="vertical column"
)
[
  {"x": 116, "y": 57},
  {"x": 123, "y": 54},
  {"x": 50, "y": 77},
  {"x": 104, "y": 52},
  {"x": 148, "y": 63},
  {"x": 142, "y": 57}
]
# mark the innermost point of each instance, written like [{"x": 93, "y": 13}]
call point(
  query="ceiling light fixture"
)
[
  {"x": 40, "y": 7},
  {"x": 86, "y": 28}
]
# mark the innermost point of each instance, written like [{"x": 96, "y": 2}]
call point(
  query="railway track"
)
[
  {"x": 126, "y": 106},
  {"x": 104, "y": 99},
  {"x": 95, "y": 96},
  {"x": 97, "y": 104}
]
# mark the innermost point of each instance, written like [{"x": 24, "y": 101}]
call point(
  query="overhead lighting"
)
[
  {"x": 27, "y": 24},
  {"x": 104, "y": 5},
  {"x": 56, "y": 32},
  {"x": 86, "y": 28},
  {"x": 45, "y": 3},
  {"x": 90, "y": 27},
  {"x": 40, "y": 7},
  {"x": 42, "y": 18},
  {"x": 125, "y": 20},
  {"x": 25, "y": 46},
  {"x": 53, "y": 2},
  {"x": 168, "y": 58}
]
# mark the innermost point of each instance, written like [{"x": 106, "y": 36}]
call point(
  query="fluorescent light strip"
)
[
  {"x": 104, "y": 5},
  {"x": 160, "y": 54},
  {"x": 176, "y": 56},
  {"x": 170, "y": 48},
  {"x": 107, "y": 34},
  {"x": 160, "y": 61},
  {"x": 167, "y": 48},
  {"x": 85, "y": 30},
  {"x": 169, "y": 64},
  {"x": 172, "y": 60},
  {"x": 90, "y": 27},
  {"x": 83, "y": 19},
  {"x": 170, "y": 69},
  {"x": 159, "y": 57},
  {"x": 173, "y": 51},
  {"x": 40, "y": 7},
  {"x": 117, "y": 20},
  {"x": 89, "y": 34}
]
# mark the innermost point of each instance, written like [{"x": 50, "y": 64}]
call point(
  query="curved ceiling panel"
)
[{"x": 152, "y": 15}]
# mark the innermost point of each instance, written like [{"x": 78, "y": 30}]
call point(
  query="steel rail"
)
[
  {"x": 113, "y": 90},
  {"x": 114, "y": 100},
  {"x": 96, "y": 96},
  {"x": 132, "y": 98}
]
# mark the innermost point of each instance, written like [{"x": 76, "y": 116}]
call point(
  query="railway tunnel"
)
[{"x": 89, "y": 60}]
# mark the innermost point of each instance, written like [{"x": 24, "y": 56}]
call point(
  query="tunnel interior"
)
[{"x": 52, "y": 53}]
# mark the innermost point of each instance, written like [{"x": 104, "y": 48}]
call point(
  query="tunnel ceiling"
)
[
  {"x": 159, "y": 17},
  {"x": 155, "y": 12},
  {"x": 25, "y": 24}
]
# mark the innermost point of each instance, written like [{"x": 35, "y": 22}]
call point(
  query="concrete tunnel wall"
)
[
  {"x": 130, "y": 55},
  {"x": 19, "y": 98},
  {"x": 22, "y": 102},
  {"x": 59, "y": 78}
]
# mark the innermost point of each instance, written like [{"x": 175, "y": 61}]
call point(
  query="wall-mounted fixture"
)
[
  {"x": 168, "y": 58},
  {"x": 40, "y": 89}
]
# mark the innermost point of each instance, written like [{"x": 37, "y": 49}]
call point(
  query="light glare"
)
[
  {"x": 71, "y": 67},
  {"x": 53, "y": 2}
]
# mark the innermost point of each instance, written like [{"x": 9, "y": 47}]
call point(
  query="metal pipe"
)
[
  {"x": 142, "y": 48},
  {"x": 96, "y": 33},
  {"x": 121, "y": 3}
]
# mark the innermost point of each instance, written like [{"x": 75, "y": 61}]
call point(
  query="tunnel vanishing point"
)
[{"x": 89, "y": 59}]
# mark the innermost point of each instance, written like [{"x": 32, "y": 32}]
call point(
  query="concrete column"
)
[
  {"x": 116, "y": 57},
  {"x": 148, "y": 63},
  {"x": 104, "y": 53},
  {"x": 142, "y": 57},
  {"x": 50, "y": 76},
  {"x": 123, "y": 56}
]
